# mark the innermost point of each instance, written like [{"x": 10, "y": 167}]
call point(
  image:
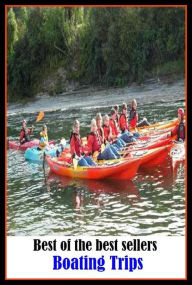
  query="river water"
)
[{"x": 41, "y": 203}]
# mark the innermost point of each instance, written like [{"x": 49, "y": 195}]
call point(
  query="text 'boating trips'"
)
[{"x": 98, "y": 263}]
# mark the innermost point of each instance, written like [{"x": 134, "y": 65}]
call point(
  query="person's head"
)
[
  {"x": 113, "y": 114},
  {"x": 24, "y": 123},
  {"x": 106, "y": 120},
  {"x": 134, "y": 104},
  {"x": 124, "y": 108},
  {"x": 45, "y": 128},
  {"x": 116, "y": 108},
  {"x": 99, "y": 120},
  {"x": 76, "y": 126},
  {"x": 180, "y": 114},
  {"x": 93, "y": 125}
]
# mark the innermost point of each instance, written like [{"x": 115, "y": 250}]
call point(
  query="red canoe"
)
[
  {"x": 116, "y": 169},
  {"x": 16, "y": 144}
]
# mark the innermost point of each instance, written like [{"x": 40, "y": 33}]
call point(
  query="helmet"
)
[
  {"x": 24, "y": 122},
  {"x": 181, "y": 112}
]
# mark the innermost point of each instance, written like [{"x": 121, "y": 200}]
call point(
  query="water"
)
[{"x": 38, "y": 204}]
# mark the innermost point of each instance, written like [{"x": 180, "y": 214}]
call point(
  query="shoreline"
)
[{"x": 88, "y": 89}]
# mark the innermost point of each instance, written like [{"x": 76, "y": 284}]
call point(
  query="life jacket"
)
[
  {"x": 26, "y": 135},
  {"x": 123, "y": 125},
  {"x": 181, "y": 131},
  {"x": 133, "y": 118},
  {"x": 77, "y": 142},
  {"x": 106, "y": 131},
  {"x": 96, "y": 145},
  {"x": 113, "y": 126},
  {"x": 101, "y": 134},
  {"x": 43, "y": 139}
]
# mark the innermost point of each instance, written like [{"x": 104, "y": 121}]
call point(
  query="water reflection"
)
[
  {"x": 125, "y": 189},
  {"x": 165, "y": 174}
]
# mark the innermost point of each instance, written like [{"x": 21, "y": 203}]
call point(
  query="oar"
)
[
  {"x": 75, "y": 163},
  {"x": 40, "y": 116}
]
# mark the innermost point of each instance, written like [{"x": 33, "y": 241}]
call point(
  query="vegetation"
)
[{"x": 106, "y": 46}]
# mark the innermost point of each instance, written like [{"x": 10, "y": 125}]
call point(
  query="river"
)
[{"x": 38, "y": 204}]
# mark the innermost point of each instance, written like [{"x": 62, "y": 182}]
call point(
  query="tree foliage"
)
[
  {"x": 12, "y": 31},
  {"x": 109, "y": 46}
]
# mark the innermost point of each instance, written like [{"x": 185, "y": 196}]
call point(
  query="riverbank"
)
[
  {"x": 56, "y": 83},
  {"x": 99, "y": 98}
]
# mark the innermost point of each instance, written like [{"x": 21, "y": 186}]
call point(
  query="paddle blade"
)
[
  {"x": 40, "y": 116},
  {"x": 102, "y": 147},
  {"x": 75, "y": 163}
]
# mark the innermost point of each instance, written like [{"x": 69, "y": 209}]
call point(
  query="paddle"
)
[
  {"x": 75, "y": 163},
  {"x": 40, "y": 116}
]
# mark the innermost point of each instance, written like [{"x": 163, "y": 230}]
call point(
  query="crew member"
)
[{"x": 25, "y": 133}]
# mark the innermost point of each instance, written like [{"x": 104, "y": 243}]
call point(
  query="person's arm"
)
[
  {"x": 131, "y": 115},
  {"x": 124, "y": 125},
  {"x": 30, "y": 130},
  {"x": 121, "y": 126},
  {"x": 21, "y": 136},
  {"x": 117, "y": 132},
  {"x": 137, "y": 117},
  {"x": 90, "y": 145}
]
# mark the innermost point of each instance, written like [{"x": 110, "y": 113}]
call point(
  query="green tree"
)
[{"x": 12, "y": 31}]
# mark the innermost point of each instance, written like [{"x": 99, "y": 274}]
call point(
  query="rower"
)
[
  {"x": 94, "y": 145},
  {"x": 99, "y": 127},
  {"x": 119, "y": 140},
  {"x": 123, "y": 123},
  {"x": 134, "y": 117},
  {"x": 43, "y": 142},
  {"x": 76, "y": 147},
  {"x": 179, "y": 129},
  {"x": 116, "y": 108},
  {"x": 25, "y": 133}
]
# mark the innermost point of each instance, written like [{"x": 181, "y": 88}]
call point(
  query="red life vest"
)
[
  {"x": 77, "y": 142},
  {"x": 113, "y": 126},
  {"x": 123, "y": 124},
  {"x": 96, "y": 145},
  {"x": 101, "y": 134},
  {"x": 25, "y": 134},
  {"x": 181, "y": 131},
  {"x": 133, "y": 118},
  {"x": 106, "y": 130}
]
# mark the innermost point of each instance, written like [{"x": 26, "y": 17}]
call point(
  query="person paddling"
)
[
  {"x": 43, "y": 142},
  {"x": 179, "y": 129},
  {"x": 134, "y": 117},
  {"x": 25, "y": 133}
]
